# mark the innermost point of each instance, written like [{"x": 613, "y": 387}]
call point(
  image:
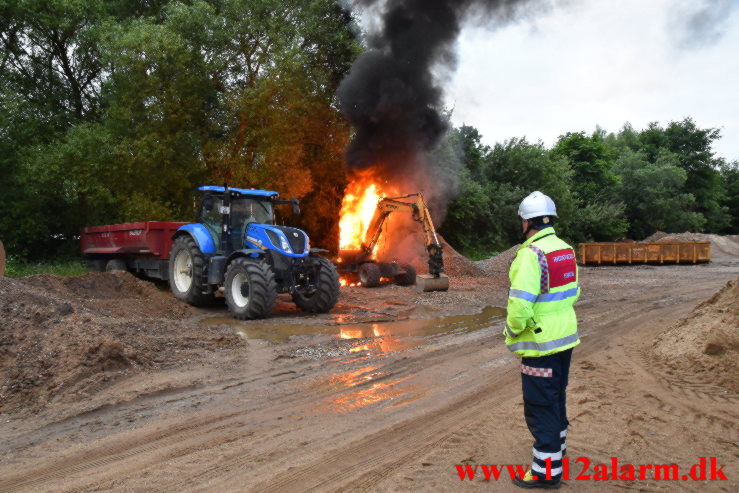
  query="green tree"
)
[
  {"x": 730, "y": 176},
  {"x": 692, "y": 147},
  {"x": 591, "y": 161},
  {"x": 653, "y": 193},
  {"x": 115, "y": 111},
  {"x": 483, "y": 218}
]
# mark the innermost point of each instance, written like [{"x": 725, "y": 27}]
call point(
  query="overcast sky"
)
[{"x": 601, "y": 62}]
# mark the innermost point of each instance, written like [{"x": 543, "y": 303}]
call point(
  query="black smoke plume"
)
[{"x": 393, "y": 98}]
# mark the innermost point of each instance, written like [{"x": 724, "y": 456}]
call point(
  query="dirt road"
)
[{"x": 388, "y": 393}]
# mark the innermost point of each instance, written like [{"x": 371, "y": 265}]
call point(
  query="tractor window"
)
[
  {"x": 258, "y": 210},
  {"x": 211, "y": 216}
]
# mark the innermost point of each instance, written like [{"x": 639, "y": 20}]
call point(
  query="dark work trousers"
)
[{"x": 544, "y": 381}]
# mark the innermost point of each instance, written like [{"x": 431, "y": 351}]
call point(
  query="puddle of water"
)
[
  {"x": 386, "y": 336},
  {"x": 350, "y": 390}
]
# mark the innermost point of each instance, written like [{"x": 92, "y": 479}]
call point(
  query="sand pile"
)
[
  {"x": 65, "y": 338},
  {"x": 704, "y": 347}
]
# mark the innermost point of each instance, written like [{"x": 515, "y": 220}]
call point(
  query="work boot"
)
[{"x": 529, "y": 482}]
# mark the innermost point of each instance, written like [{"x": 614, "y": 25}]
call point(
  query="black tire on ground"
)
[
  {"x": 408, "y": 278},
  {"x": 115, "y": 264},
  {"x": 369, "y": 275},
  {"x": 326, "y": 294},
  {"x": 98, "y": 264},
  {"x": 186, "y": 263},
  {"x": 250, "y": 288}
]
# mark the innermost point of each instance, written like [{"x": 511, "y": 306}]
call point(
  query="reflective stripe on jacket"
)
[{"x": 544, "y": 286}]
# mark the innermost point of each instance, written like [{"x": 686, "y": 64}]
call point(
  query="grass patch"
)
[{"x": 16, "y": 267}]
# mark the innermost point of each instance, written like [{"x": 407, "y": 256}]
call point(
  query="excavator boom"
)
[{"x": 436, "y": 279}]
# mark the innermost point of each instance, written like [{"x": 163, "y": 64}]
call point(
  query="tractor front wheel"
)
[
  {"x": 250, "y": 288},
  {"x": 326, "y": 293},
  {"x": 186, "y": 263}
]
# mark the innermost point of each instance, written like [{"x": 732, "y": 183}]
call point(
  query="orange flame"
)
[{"x": 357, "y": 208}]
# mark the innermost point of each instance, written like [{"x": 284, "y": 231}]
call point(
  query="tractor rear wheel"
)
[
  {"x": 369, "y": 275},
  {"x": 250, "y": 288},
  {"x": 186, "y": 263},
  {"x": 326, "y": 294},
  {"x": 407, "y": 278}
]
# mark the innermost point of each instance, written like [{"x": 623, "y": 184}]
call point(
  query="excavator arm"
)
[{"x": 420, "y": 213}]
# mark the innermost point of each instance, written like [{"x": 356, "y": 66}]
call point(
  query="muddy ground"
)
[{"x": 108, "y": 383}]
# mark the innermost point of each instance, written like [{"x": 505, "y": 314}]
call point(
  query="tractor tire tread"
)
[
  {"x": 327, "y": 294},
  {"x": 194, "y": 296},
  {"x": 262, "y": 288}
]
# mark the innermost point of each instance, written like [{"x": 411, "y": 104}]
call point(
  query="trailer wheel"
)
[
  {"x": 250, "y": 288},
  {"x": 97, "y": 265},
  {"x": 408, "y": 278},
  {"x": 115, "y": 264},
  {"x": 186, "y": 263},
  {"x": 369, "y": 275},
  {"x": 326, "y": 294}
]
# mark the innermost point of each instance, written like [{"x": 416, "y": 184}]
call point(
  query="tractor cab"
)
[
  {"x": 239, "y": 218},
  {"x": 232, "y": 212}
]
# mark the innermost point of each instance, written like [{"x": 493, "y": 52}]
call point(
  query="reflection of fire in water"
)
[
  {"x": 359, "y": 388},
  {"x": 383, "y": 341}
]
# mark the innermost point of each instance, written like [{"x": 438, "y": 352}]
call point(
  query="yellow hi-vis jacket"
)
[{"x": 544, "y": 286}]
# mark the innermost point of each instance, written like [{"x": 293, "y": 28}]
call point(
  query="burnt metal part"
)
[{"x": 436, "y": 262}]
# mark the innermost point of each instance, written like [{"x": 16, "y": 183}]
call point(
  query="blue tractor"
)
[{"x": 237, "y": 247}]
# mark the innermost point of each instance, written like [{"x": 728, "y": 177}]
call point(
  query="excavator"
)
[{"x": 359, "y": 265}]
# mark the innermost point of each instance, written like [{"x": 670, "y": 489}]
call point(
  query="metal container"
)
[
  {"x": 675, "y": 252},
  {"x": 141, "y": 239}
]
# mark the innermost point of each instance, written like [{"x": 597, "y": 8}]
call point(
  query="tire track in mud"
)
[
  {"x": 402, "y": 368},
  {"x": 601, "y": 332},
  {"x": 96, "y": 458},
  {"x": 379, "y": 451},
  {"x": 368, "y": 462}
]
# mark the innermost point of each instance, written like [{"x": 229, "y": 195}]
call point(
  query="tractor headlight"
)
[{"x": 284, "y": 244}]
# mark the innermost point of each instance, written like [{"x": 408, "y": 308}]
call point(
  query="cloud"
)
[{"x": 697, "y": 24}]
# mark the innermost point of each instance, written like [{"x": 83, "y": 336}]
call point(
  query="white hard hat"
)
[{"x": 535, "y": 205}]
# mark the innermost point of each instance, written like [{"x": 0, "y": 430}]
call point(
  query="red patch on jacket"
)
[{"x": 562, "y": 267}]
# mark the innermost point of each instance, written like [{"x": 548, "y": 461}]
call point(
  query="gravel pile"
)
[
  {"x": 456, "y": 264},
  {"x": 499, "y": 263}
]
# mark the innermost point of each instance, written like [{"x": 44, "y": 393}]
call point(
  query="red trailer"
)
[{"x": 141, "y": 247}]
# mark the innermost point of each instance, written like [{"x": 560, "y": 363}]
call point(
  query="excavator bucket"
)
[{"x": 427, "y": 282}]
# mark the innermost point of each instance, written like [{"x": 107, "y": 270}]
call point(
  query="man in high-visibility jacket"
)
[{"x": 541, "y": 327}]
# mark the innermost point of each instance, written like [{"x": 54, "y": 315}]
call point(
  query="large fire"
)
[{"x": 357, "y": 208}]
